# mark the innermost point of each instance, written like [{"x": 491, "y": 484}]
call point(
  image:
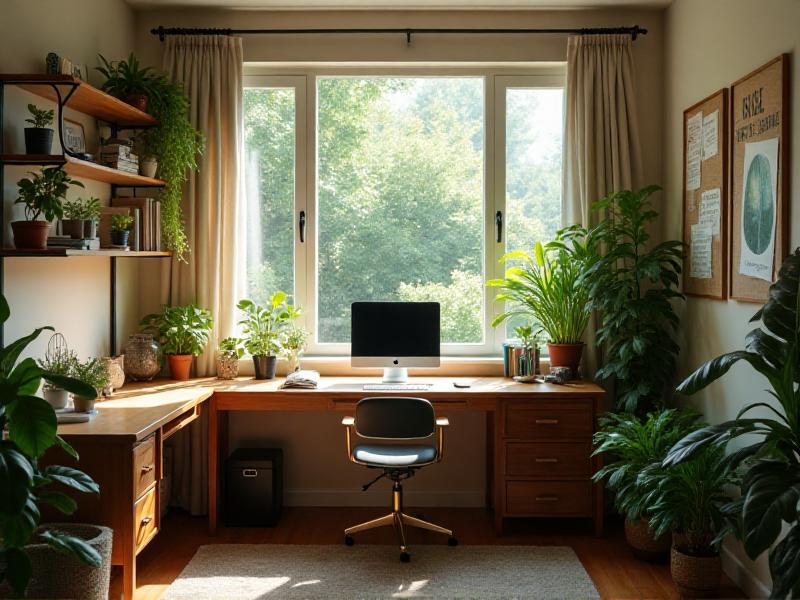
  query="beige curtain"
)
[
  {"x": 210, "y": 69},
  {"x": 602, "y": 153}
]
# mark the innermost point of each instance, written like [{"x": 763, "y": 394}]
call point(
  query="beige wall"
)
[
  {"x": 709, "y": 45},
  {"x": 70, "y": 294},
  {"x": 318, "y": 472}
]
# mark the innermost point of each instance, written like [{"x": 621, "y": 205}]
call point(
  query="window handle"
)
[
  {"x": 498, "y": 224},
  {"x": 301, "y": 223}
]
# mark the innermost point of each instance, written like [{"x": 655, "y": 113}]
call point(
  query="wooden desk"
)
[
  {"x": 539, "y": 435},
  {"x": 121, "y": 449}
]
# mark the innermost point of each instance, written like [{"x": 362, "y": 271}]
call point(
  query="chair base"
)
[{"x": 399, "y": 520}]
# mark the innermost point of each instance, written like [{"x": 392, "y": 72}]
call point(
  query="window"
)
[{"x": 398, "y": 178}]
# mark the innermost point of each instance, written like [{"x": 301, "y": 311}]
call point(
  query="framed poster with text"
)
[{"x": 760, "y": 138}]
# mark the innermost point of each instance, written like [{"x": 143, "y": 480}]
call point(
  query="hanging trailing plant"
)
[{"x": 175, "y": 144}]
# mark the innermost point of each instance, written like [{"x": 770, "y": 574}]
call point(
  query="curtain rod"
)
[{"x": 163, "y": 32}]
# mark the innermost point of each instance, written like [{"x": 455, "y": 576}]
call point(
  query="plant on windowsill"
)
[
  {"x": 42, "y": 195},
  {"x": 263, "y": 327},
  {"x": 633, "y": 285},
  {"x": 634, "y": 444},
  {"x": 94, "y": 372},
  {"x": 547, "y": 288},
  {"x": 183, "y": 333},
  {"x": 229, "y": 354},
  {"x": 769, "y": 503},
  {"x": 81, "y": 217},
  {"x": 293, "y": 345},
  {"x": 121, "y": 230},
  {"x": 25, "y": 485},
  {"x": 690, "y": 500},
  {"x": 39, "y": 136}
]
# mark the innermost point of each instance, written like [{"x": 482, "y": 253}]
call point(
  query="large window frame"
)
[{"x": 497, "y": 79}]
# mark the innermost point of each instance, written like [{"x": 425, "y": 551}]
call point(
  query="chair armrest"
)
[
  {"x": 350, "y": 421},
  {"x": 442, "y": 421}
]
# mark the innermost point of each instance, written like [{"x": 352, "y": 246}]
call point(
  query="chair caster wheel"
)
[
  {"x": 405, "y": 557},
  {"x": 451, "y": 541},
  {"x": 348, "y": 541}
]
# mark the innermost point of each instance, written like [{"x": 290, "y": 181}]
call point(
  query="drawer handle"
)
[
  {"x": 146, "y": 521},
  {"x": 547, "y": 421},
  {"x": 546, "y": 460},
  {"x": 547, "y": 498},
  {"x": 249, "y": 473},
  {"x": 148, "y": 468}
]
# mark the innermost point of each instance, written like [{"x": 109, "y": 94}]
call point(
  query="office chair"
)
[{"x": 395, "y": 419}]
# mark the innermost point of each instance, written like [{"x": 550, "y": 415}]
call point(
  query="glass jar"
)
[{"x": 142, "y": 357}]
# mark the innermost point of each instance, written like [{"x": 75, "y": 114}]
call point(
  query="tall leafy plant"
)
[
  {"x": 24, "y": 485},
  {"x": 632, "y": 284},
  {"x": 263, "y": 326},
  {"x": 43, "y": 193},
  {"x": 546, "y": 286},
  {"x": 181, "y": 330},
  {"x": 770, "y": 486}
]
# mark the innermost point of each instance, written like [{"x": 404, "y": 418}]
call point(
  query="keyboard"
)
[{"x": 394, "y": 387}]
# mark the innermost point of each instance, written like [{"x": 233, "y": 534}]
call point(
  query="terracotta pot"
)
[
  {"x": 695, "y": 576},
  {"x": 180, "y": 366},
  {"x": 30, "y": 235},
  {"x": 265, "y": 366},
  {"x": 137, "y": 101},
  {"x": 566, "y": 355},
  {"x": 643, "y": 544}
]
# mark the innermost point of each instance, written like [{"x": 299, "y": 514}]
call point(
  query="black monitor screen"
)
[{"x": 395, "y": 329}]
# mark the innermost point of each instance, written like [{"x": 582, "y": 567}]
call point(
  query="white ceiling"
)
[{"x": 399, "y": 4}]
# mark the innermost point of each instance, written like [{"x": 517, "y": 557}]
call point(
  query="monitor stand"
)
[{"x": 395, "y": 375}]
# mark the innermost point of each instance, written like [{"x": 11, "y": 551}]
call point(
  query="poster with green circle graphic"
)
[{"x": 759, "y": 208}]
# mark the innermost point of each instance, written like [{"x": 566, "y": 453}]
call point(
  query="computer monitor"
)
[{"x": 395, "y": 336}]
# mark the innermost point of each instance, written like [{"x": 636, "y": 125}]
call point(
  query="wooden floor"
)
[{"x": 615, "y": 572}]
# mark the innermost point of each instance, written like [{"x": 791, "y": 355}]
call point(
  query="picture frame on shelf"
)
[{"x": 74, "y": 137}]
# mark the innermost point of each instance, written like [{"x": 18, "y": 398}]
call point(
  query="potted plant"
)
[
  {"x": 25, "y": 486},
  {"x": 61, "y": 361},
  {"x": 262, "y": 327},
  {"x": 41, "y": 195},
  {"x": 39, "y": 136},
  {"x": 293, "y": 345},
  {"x": 183, "y": 332},
  {"x": 229, "y": 353},
  {"x": 635, "y": 444},
  {"x": 81, "y": 217},
  {"x": 529, "y": 340},
  {"x": 547, "y": 286},
  {"x": 148, "y": 166},
  {"x": 770, "y": 489},
  {"x": 689, "y": 500},
  {"x": 633, "y": 285},
  {"x": 173, "y": 143},
  {"x": 94, "y": 372},
  {"x": 121, "y": 229}
]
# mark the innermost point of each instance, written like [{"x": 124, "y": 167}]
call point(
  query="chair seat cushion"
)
[{"x": 394, "y": 456}]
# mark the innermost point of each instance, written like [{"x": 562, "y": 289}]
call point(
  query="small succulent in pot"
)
[
  {"x": 39, "y": 137},
  {"x": 42, "y": 195},
  {"x": 230, "y": 352},
  {"x": 81, "y": 217},
  {"x": 121, "y": 229},
  {"x": 94, "y": 372},
  {"x": 183, "y": 333}
]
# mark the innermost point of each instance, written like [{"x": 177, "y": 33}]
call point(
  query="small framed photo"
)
[{"x": 74, "y": 137}]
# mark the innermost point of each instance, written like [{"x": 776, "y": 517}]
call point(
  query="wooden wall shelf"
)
[
  {"x": 83, "y": 168},
  {"x": 86, "y": 99},
  {"x": 63, "y": 252}
]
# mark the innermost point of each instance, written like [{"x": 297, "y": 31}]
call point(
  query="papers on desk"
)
[{"x": 301, "y": 379}]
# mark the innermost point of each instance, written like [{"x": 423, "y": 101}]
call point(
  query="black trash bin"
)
[{"x": 254, "y": 487}]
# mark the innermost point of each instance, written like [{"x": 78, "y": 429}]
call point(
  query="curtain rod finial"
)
[{"x": 159, "y": 31}]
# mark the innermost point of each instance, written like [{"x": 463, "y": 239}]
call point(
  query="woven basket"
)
[
  {"x": 57, "y": 575},
  {"x": 642, "y": 543},
  {"x": 695, "y": 576}
]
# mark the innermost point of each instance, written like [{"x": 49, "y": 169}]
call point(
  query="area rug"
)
[{"x": 257, "y": 571}]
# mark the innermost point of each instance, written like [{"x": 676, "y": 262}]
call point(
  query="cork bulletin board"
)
[
  {"x": 705, "y": 197},
  {"x": 760, "y": 137}
]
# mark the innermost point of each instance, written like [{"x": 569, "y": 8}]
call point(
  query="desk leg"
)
[
  {"x": 490, "y": 483},
  {"x": 213, "y": 464}
]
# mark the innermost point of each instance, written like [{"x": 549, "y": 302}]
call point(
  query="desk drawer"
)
[
  {"x": 548, "y": 460},
  {"x": 145, "y": 524},
  {"x": 144, "y": 465},
  {"x": 544, "y": 498},
  {"x": 565, "y": 420}
]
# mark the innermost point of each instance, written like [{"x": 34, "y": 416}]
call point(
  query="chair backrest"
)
[{"x": 395, "y": 418}]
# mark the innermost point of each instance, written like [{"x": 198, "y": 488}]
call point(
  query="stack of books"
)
[
  {"x": 118, "y": 154},
  {"x": 65, "y": 241}
]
